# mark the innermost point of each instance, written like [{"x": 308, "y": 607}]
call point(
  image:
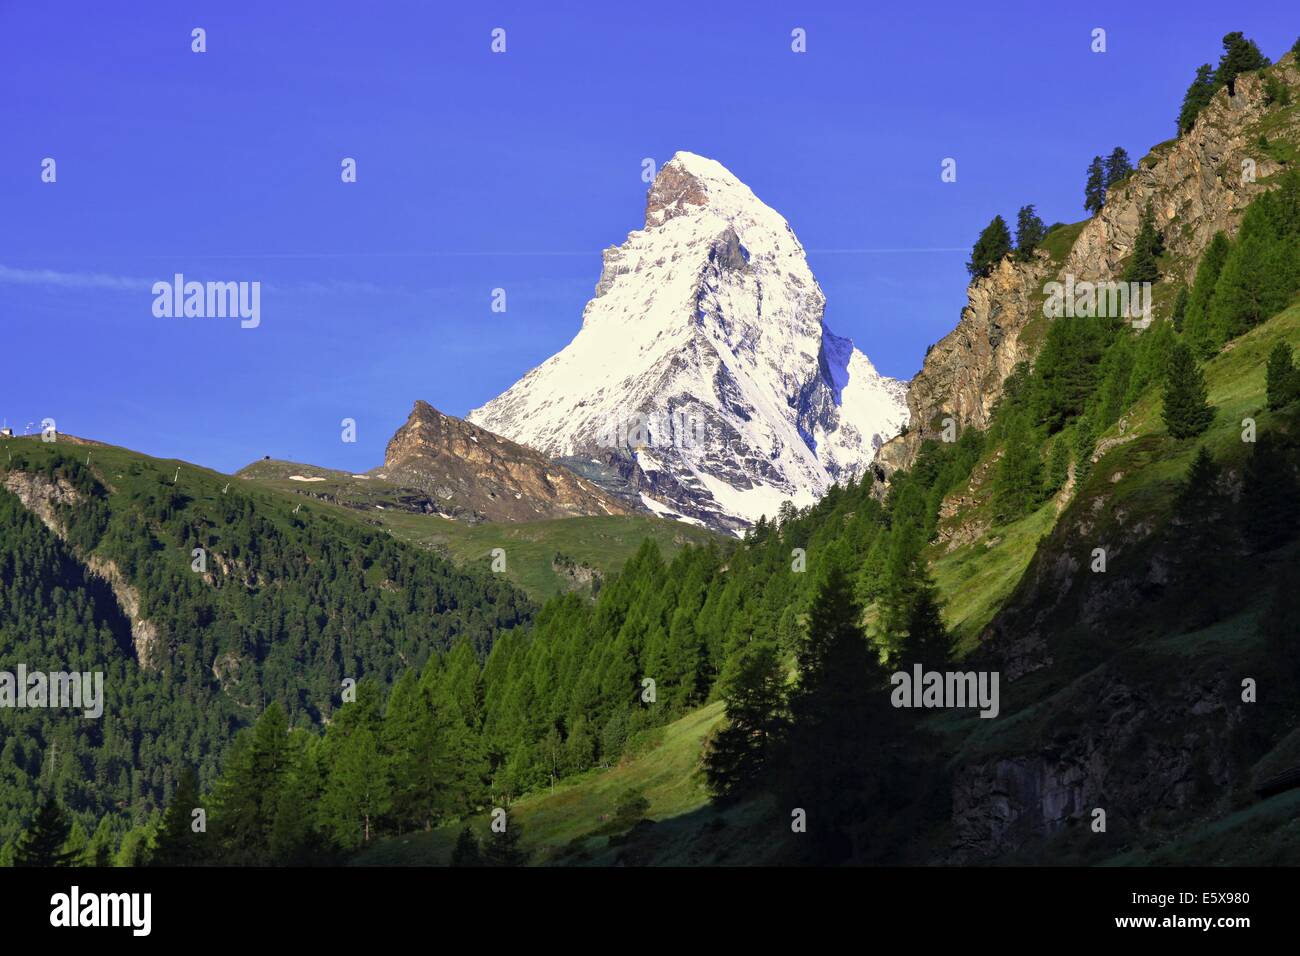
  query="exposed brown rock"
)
[
  {"x": 1195, "y": 187},
  {"x": 466, "y": 466}
]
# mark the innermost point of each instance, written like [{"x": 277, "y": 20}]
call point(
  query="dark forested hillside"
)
[{"x": 281, "y": 606}]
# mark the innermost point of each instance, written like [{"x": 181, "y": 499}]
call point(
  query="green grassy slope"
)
[
  {"x": 1139, "y": 476},
  {"x": 586, "y": 545},
  {"x": 599, "y": 543},
  {"x": 565, "y": 826}
]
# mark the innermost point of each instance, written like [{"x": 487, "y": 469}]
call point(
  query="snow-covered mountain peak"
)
[{"x": 703, "y": 374}]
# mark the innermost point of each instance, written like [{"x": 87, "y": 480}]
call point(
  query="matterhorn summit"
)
[{"x": 703, "y": 380}]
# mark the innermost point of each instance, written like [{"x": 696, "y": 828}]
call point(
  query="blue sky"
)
[{"x": 478, "y": 171}]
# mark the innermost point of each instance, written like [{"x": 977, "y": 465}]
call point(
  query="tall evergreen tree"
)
[
  {"x": 177, "y": 844},
  {"x": 1094, "y": 190},
  {"x": 1147, "y": 246},
  {"x": 1259, "y": 274},
  {"x": 754, "y": 692},
  {"x": 101, "y": 849},
  {"x": 1200, "y": 536},
  {"x": 1240, "y": 55},
  {"x": 466, "y": 851},
  {"x": 502, "y": 848},
  {"x": 359, "y": 789},
  {"x": 1270, "y": 496},
  {"x": 993, "y": 245},
  {"x": 1282, "y": 382},
  {"x": 1196, "y": 98},
  {"x": 1029, "y": 232},
  {"x": 1118, "y": 167},
  {"x": 1067, "y": 369},
  {"x": 1187, "y": 411},
  {"x": 1179, "y": 311},
  {"x": 1199, "y": 331},
  {"x": 1018, "y": 481},
  {"x": 1058, "y": 464},
  {"x": 43, "y": 842},
  {"x": 840, "y": 716},
  {"x": 247, "y": 794},
  {"x": 77, "y": 844},
  {"x": 928, "y": 641}
]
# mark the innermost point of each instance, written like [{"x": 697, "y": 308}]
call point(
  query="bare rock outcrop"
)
[
  {"x": 1196, "y": 185},
  {"x": 471, "y": 468}
]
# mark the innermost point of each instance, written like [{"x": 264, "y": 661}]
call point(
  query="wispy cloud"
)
[
  {"x": 100, "y": 280},
  {"x": 72, "y": 280}
]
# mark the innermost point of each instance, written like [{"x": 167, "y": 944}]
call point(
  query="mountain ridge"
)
[{"x": 703, "y": 359}]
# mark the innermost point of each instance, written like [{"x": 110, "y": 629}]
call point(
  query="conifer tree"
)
[
  {"x": 1058, "y": 464},
  {"x": 1018, "y": 480},
  {"x": 993, "y": 245},
  {"x": 501, "y": 848},
  {"x": 466, "y": 851},
  {"x": 134, "y": 849},
  {"x": 1067, "y": 368},
  {"x": 1179, "y": 312},
  {"x": 1029, "y": 232},
  {"x": 1199, "y": 332},
  {"x": 1258, "y": 276},
  {"x": 1150, "y": 359},
  {"x": 1270, "y": 497},
  {"x": 100, "y": 850},
  {"x": 1200, "y": 536},
  {"x": 1240, "y": 55},
  {"x": 1094, "y": 190},
  {"x": 1085, "y": 440},
  {"x": 928, "y": 641},
  {"x": 1147, "y": 246},
  {"x": 1118, "y": 167},
  {"x": 43, "y": 842},
  {"x": 415, "y": 733},
  {"x": 296, "y": 836},
  {"x": 1187, "y": 411},
  {"x": 754, "y": 692},
  {"x": 77, "y": 845},
  {"x": 359, "y": 790},
  {"x": 1196, "y": 98},
  {"x": 840, "y": 716},
  {"x": 176, "y": 843},
  {"x": 1282, "y": 382},
  {"x": 247, "y": 794}
]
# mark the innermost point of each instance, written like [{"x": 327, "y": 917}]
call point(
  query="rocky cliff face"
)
[
  {"x": 703, "y": 378},
  {"x": 1195, "y": 186},
  {"x": 469, "y": 468},
  {"x": 963, "y": 372}
]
